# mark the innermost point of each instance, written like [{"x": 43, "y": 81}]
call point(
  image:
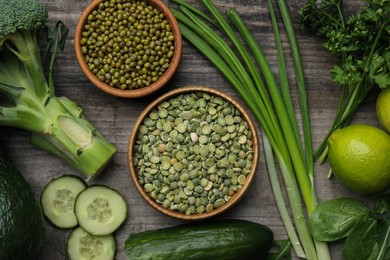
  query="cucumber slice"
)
[
  {"x": 58, "y": 198},
  {"x": 100, "y": 210},
  {"x": 82, "y": 245}
]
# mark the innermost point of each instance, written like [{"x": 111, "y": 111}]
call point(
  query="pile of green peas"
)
[
  {"x": 193, "y": 152},
  {"x": 128, "y": 44}
]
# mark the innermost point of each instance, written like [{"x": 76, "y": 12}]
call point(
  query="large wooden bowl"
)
[
  {"x": 236, "y": 197},
  {"x": 131, "y": 93}
]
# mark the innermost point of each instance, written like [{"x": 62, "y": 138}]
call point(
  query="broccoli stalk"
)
[{"x": 27, "y": 98}]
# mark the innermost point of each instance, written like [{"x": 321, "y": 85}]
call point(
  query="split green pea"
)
[{"x": 193, "y": 152}]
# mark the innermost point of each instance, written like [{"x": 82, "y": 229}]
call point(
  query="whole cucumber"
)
[{"x": 228, "y": 239}]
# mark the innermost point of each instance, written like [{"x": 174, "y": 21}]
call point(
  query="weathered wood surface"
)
[{"x": 115, "y": 117}]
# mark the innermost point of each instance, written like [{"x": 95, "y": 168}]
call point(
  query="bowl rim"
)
[
  {"x": 131, "y": 93},
  {"x": 236, "y": 197}
]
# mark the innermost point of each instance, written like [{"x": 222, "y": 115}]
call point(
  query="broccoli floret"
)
[
  {"x": 27, "y": 98},
  {"x": 21, "y": 15},
  {"x": 19, "y": 27}
]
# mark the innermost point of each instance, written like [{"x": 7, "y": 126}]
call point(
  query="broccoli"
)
[{"x": 27, "y": 98}]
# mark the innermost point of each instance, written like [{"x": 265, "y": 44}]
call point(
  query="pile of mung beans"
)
[
  {"x": 128, "y": 44},
  {"x": 193, "y": 152}
]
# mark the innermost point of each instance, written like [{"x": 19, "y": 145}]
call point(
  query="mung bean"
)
[{"x": 125, "y": 50}]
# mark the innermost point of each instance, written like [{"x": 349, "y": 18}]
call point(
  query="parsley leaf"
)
[{"x": 361, "y": 41}]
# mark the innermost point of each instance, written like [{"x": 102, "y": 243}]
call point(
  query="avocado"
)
[{"x": 21, "y": 219}]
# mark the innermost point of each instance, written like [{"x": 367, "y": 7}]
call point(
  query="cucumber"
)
[
  {"x": 58, "y": 198},
  {"x": 81, "y": 245},
  {"x": 100, "y": 210},
  {"x": 228, "y": 239}
]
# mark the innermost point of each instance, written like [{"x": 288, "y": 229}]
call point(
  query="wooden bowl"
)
[
  {"x": 131, "y": 93},
  {"x": 235, "y": 197}
]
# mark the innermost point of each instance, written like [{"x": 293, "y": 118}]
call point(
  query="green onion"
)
[
  {"x": 295, "y": 151},
  {"x": 247, "y": 68},
  {"x": 280, "y": 202},
  {"x": 322, "y": 248},
  {"x": 281, "y": 110},
  {"x": 283, "y": 77},
  {"x": 300, "y": 80}
]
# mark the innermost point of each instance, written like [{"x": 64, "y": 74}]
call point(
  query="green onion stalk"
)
[{"x": 251, "y": 75}]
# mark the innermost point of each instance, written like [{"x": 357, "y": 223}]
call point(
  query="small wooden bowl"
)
[
  {"x": 239, "y": 194},
  {"x": 131, "y": 93}
]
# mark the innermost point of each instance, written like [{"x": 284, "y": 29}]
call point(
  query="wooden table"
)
[{"x": 115, "y": 118}]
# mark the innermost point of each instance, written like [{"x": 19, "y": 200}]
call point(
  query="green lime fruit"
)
[
  {"x": 359, "y": 156},
  {"x": 383, "y": 108}
]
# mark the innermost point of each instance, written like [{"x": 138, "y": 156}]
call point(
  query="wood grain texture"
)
[{"x": 115, "y": 117}]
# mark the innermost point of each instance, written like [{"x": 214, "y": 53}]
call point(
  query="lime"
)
[
  {"x": 359, "y": 156},
  {"x": 383, "y": 108}
]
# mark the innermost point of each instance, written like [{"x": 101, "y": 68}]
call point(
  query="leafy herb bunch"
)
[
  {"x": 366, "y": 230},
  {"x": 362, "y": 44}
]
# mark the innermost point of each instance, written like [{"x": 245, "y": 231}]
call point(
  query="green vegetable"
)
[
  {"x": 336, "y": 224},
  {"x": 100, "y": 210},
  {"x": 283, "y": 250},
  {"x": 270, "y": 103},
  {"x": 221, "y": 239},
  {"x": 58, "y": 198},
  {"x": 366, "y": 231},
  {"x": 27, "y": 99},
  {"x": 81, "y": 245},
  {"x": 21, "y": 220},
  {"x": 361, "y": 41}
]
